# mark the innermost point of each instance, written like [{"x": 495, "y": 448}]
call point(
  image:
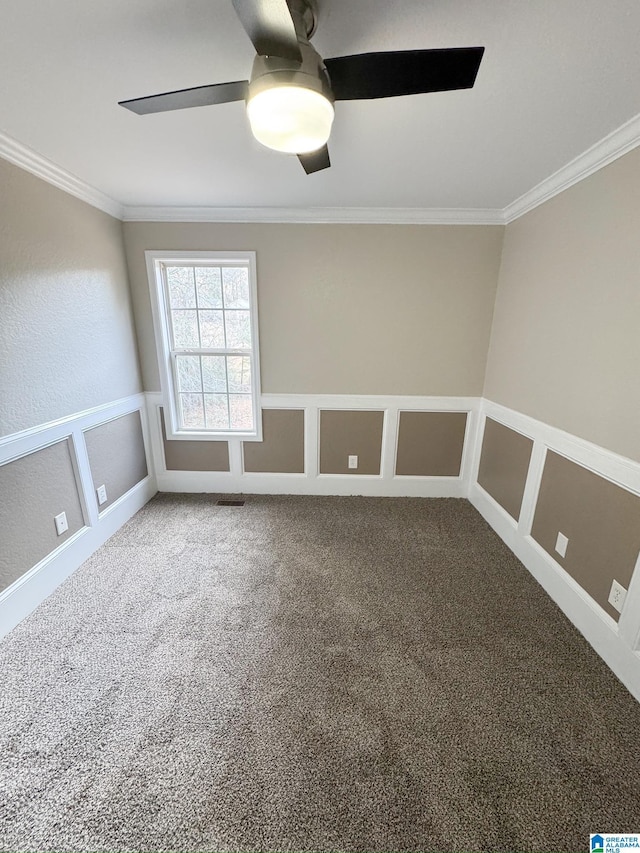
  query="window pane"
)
[
  {"x": 192, "y": 411},
  {"x": 238, "y": 329},
  {"x": 241, "y": 411},
  {"x": 182, "y": 292},
  {"x": 213, "y": 373},
  {"x": 188, "y": 368},
  {"x": 239, "y": 370},
  {"x": 209, "y": 287},
  {"x": 217, "y": 412},
  {"x": 211, "y": 329},
  {"x": 185, "y": 329},
  {"x": 235, "y": 281}
]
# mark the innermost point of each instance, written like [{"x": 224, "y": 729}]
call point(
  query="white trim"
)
[
  {"x": 597, "y": 627},
  {"x": 610, "y": 148},
  {"x": 311, "y": 482},
  {"x": 376, "y": 402},
  {"x": 629, "y": 621},
  {"x": 532, "y": 488},
  {"x": 622, "y": 140},
  {"x": 26, "y": 441},
  {"x": 222, "y": 482},
  {"x": 619, "y": 469},
  {"x": 31, "y": 588},
  {"x": 26, "y": 158},
  {"x": 317, "y": 215},
  {"x": 166, "y": 350},
  {"x": 618, "y": 644}
]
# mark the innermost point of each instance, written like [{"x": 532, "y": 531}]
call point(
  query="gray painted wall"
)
[
  {"x": 67, "y": 340},
  {"x": 504, "y": 465},
  {"x": 565, "y": 347},
  {"x": 354, "y": 433},
  {"x": 116, "y": 456},
  {"x": 600, "y": 519},
  {"x": 67, "y": 343},
  {"x": 282, "y": 447},
  {"x": 350, "y": 309},
  {"x": 430, "y": 444},
  {"x": 33, "y": 490}
]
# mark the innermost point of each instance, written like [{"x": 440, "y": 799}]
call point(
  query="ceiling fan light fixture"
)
[{"x": 289, "y": 118}]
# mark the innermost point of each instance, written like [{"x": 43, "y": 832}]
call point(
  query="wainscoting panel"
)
[
  {"x": 618, "y": 643},
  {"x": 504, "y": 464},
  {"x": 430, "y": 444},
  {"x": 59, "y": 457},
  {"x": 117, "y": 456},
  {"x": 335, "y": 426},
  {"x": 281, "y": 450}
]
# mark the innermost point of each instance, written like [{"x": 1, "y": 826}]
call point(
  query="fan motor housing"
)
[{"x": 271, "y": 71}]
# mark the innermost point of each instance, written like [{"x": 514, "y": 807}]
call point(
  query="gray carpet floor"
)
[{"x": 309, "y": 674}]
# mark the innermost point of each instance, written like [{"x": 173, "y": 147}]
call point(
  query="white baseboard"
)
[
  {"x": 301, "y": 484},
  {"x": 596, "y": 626},
  {"x": 31, "y": 589}
]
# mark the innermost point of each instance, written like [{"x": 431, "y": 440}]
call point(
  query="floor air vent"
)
[{"x": 230, "y": 503}]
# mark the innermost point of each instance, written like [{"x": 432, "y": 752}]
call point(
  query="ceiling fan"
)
[{"x": 292, "y": 90}]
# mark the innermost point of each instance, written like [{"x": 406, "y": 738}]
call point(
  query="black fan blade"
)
[
  {"x": 315, "y": 161},
  {"x": 270, "y": 27},
  {"x": 403, "y": 72},
  {"x": 182, "y": 99}
]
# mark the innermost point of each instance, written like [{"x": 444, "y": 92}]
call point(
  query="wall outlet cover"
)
[
  {"x": 353, "y": 462},
  {"x": 101, "y": 492},
  {"x": 561, "y": 544},
  {"x": 617, "y": 596},
  {"x": 62, "y": 525}
]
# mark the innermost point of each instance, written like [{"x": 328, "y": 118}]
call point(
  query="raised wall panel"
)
[
  {"x": 35, "y": 488},
  {"x": 430, "y": 444},
  {"x": 350, "y": 433},
  {"x": 600, "y": 519},
  {"x": 504, "y": 464},
  {"x": 194, "y": 455},
  {"x": 116, "y": 455},
  {"x": 281, "y": 450}
]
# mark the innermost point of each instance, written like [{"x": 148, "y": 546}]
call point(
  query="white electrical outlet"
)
[
  {"x": 101, "y": 491},
  {"x": 561, "y": 544},
  {"x": 353, "y": 462},
  {"x": 617, "y": 596},
  {"x": 62, "y": 525}
]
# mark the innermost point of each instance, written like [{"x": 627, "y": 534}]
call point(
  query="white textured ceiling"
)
[{"x": 557, "y": 76}]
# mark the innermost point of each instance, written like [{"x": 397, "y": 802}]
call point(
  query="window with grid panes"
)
[{"x": 205, "y": 312}]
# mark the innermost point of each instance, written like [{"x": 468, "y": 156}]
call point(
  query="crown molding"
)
[
  {"x": 317, "y": 215},
  {"x": 26, "y": 158},
  {"x": 615, "y": 145}
]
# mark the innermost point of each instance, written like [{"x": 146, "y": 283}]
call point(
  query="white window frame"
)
[{"x": 156, "y": 261}]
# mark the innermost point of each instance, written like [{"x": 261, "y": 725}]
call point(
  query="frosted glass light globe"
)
[{"x": 290, "y": 118}]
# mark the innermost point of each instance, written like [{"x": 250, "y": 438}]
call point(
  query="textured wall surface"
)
[
  {"x": 116, "y": 455},
  {"x": 67, "y": 339},
  {"x": 34, "y": 489},
  {"x": 350, "y": 309},
  {"x": 565, "y": 346}
]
